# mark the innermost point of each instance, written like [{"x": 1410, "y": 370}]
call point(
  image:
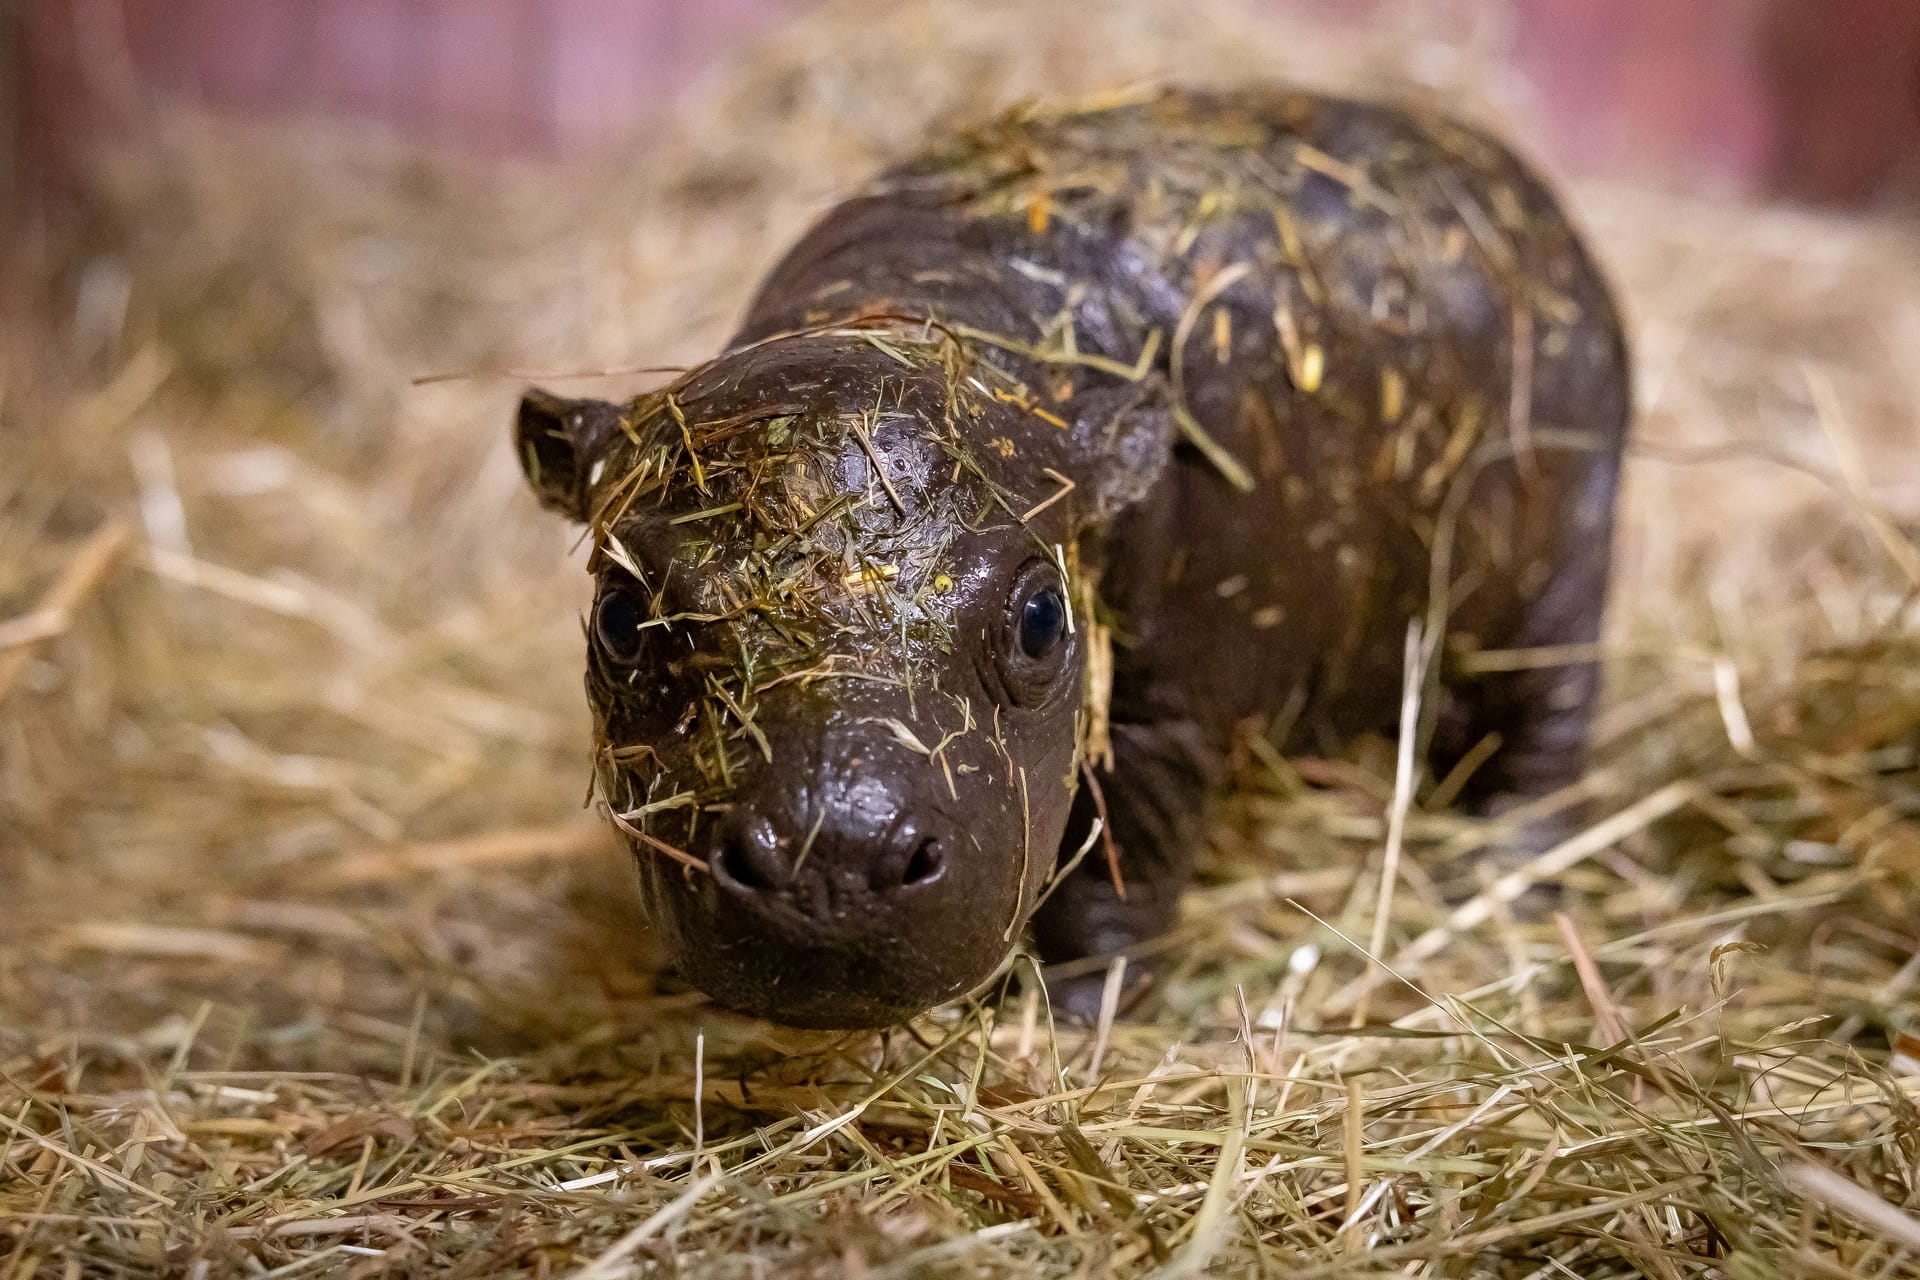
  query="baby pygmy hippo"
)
[{"x": 1042, "y": 471}]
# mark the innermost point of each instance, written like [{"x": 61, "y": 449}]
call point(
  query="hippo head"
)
[{"x": 837, "y": 658}]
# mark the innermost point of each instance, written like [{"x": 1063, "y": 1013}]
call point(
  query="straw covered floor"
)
[{"x": 312, "y": 962}]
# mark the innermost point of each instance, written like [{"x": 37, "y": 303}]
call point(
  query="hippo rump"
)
[{"x": 1045, "y": 475}]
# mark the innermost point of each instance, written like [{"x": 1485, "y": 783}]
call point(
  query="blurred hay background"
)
[{"x": 311, "y": 964}]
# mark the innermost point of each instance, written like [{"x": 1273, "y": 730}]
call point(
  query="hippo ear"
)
[
  {"x": 558, "y": 441},
  {"x": 1123, "y": 436}
]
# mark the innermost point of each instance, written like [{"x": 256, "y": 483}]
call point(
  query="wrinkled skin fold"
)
[{"x": 1079, "y": 448}]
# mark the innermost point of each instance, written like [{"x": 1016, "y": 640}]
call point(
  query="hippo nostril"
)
[
  {"x": 749, "y": 856},
  {"x": 924, "y": 865},
  {"x": 742, "y": 867}
]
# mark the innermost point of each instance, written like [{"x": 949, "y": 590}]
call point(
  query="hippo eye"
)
[
  {"x": 1034, "y": 646},
  {"x": 616, "y": 624},
  {"x": 1043, "y": 622}
]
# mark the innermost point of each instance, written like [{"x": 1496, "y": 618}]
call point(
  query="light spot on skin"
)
[
  {"x": 1268, "y": 617},
  {"x": 1228, "y": 588},
  {"x": 1393, "y": 394},
  {"x": 1313, "y": 368},
  {"x": 1039, "y": 213}
]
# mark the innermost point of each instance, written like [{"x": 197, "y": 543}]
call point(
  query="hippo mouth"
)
[
  {"x": 779, "y": 963},
  {"x": 825, "y": 985},
  {"x": 853, "y": 928}
]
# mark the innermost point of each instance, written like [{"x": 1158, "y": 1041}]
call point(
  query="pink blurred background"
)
[{"x": 1810, "y": 99}]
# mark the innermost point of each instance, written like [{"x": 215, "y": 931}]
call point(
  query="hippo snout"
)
[
  {"x": 839, "y": 864},
  {"x": 848, "y": 890}
]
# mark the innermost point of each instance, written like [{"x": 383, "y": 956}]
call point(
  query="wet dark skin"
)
[{"x": 1044, "y": 473}]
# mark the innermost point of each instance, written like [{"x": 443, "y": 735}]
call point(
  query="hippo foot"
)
[
  {"x": 1518, "y": 846},
  {"x": 1077, "y": 992}
]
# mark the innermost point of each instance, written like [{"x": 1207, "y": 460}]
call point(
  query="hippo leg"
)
[
  {"x": 1542, "y": 719},
  {"x": 1542, "y": 715},
  {"x": 1157, "y": 798}
]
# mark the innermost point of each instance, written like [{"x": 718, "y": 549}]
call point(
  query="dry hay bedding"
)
[{"x": 311, "y": 964}]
